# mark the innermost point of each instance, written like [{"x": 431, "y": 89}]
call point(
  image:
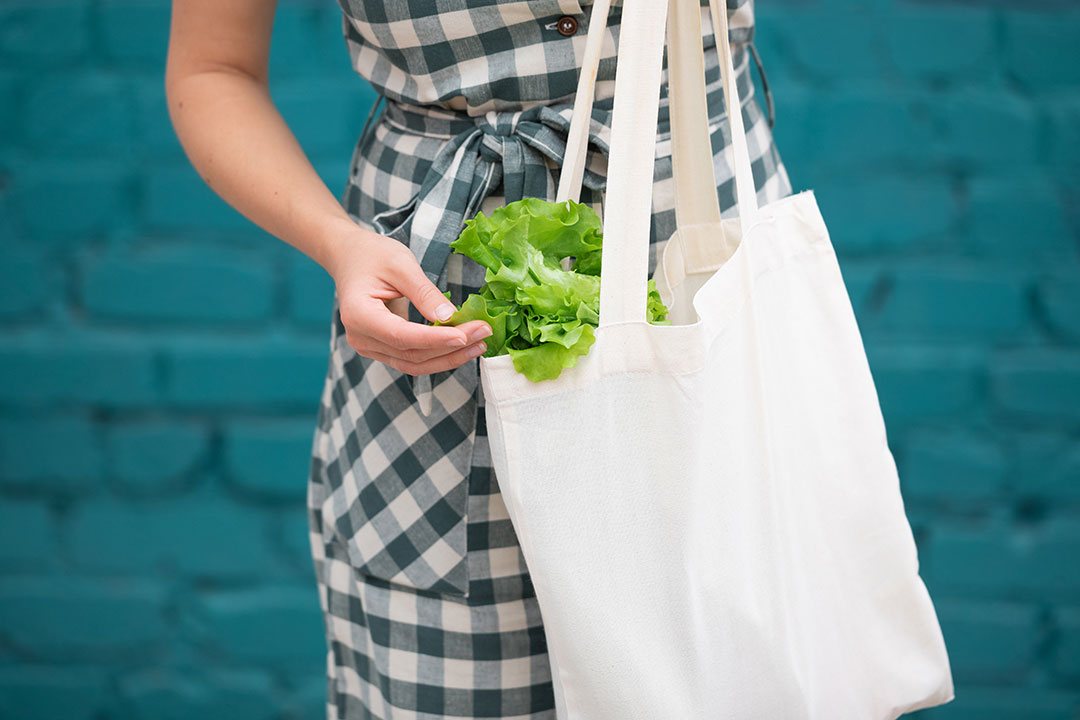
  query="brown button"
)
[{"x": 566, "y": 26}]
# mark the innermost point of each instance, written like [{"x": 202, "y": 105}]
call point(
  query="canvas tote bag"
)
[{"x": 709, "y": 511}]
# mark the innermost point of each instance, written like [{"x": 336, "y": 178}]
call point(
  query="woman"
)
[{"x": 428, "y": 606}]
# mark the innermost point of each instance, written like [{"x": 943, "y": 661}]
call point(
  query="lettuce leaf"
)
[{"x": 543, "y": 316}]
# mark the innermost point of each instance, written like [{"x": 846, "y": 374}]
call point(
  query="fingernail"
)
[
  {"x": 443, "y": 312},
  {"x": 476, "y": 350},
  {"x": 456, "y": 342},
  {"x": 480, "y": 333}
]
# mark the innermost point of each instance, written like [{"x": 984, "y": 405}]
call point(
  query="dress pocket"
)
[{"x": 396, "y": 480}]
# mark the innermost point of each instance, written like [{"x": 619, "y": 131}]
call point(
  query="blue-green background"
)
[{"x": 161, "y": 359}]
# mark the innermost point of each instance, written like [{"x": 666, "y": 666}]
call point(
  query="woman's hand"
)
[{"x": 376, "y": 278}]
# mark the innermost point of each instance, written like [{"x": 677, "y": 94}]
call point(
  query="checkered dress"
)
[{"x": 429, "y": 608}]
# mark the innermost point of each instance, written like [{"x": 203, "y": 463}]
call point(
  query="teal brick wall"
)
[{"x": 161, "y": 358}]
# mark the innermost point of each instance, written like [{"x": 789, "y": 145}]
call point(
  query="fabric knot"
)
[
  {"x": 491, "y": 148},
  {"x": 502, "y": 124}
]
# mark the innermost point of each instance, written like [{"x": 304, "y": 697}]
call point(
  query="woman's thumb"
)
[{"x": 423, "y": 293}]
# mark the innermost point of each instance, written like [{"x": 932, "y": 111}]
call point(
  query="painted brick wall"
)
[{"x": 161, "y": 358}]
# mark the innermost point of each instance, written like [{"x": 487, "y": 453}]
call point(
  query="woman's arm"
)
[{"x": 219, "y": 101}]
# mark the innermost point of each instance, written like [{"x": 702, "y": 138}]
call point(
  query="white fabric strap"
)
[
  {"x": 577, "y": 142},
  {"x": 746, "y": 195},
  {"x": 624, "y": 270},
  {"x": 628, "y": 205},
  {"x": 696, "y": 202},
  {"x": 697, "y": 207}
]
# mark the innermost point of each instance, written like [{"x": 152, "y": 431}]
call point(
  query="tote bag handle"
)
[
  {"x": 696, "y": 203},
  {"x": 625, "y": 266},
  {"x": 577, "y": 140}
]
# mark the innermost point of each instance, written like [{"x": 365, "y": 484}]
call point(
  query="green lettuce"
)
[{"x": 543, "y": 316}]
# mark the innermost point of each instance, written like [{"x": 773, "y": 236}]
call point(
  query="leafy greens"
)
[{"x": 540, "y": 314}]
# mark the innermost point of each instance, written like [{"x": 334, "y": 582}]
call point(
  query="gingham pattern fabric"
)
[
  {"x": 480, "y": 55},
  {"x": 428, "y": 605}
]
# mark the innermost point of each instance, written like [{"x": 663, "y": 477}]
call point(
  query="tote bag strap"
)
[
  {"x": 697, "y": 207},
  {"x": 696, "y": 202},
  {"x": 745, "y": 194},
  {"x": 625, "y": 266},
  {"x": 577, "y": 141}
]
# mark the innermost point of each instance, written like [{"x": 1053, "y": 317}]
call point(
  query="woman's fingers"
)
[
  {"x": 444, "y": 362},
  {"x": 381, "y": 334},
  {"x": 477, "y": 330},
  {"x": 374, "y": 319}
]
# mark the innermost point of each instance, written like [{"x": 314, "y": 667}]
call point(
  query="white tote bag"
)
[{"x": 709, "y": 511}]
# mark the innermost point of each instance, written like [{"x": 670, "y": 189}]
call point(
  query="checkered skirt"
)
[{"x": 428, "y": 605}]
